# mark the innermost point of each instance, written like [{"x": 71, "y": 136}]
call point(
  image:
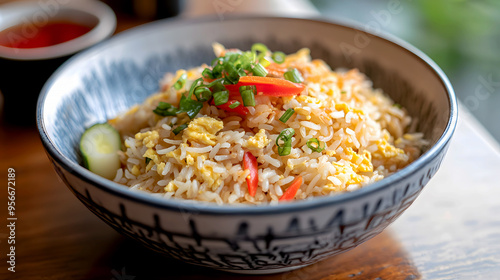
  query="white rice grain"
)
[
  {"x": 172, "y": 142},
  {"x": 199, "y": 150},
  {"x": 274, "y": 162},
  {"x": 166, "y": 151},
  {"x": 310, "y": 125}
]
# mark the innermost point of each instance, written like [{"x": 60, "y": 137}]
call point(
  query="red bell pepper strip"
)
[
  {"x": 241, "y": 110},
  {"x": 250, "y": 163},
  {"x": 292, "y": 189},
  {"x": 268, "y": 86}
]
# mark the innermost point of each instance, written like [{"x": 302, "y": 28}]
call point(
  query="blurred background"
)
[{"x": 462, "y": 36}]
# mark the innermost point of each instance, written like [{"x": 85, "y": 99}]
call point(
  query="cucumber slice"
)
[{"x": 99, "y": 146}]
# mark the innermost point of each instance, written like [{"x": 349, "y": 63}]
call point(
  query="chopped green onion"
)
[
  {"x": 147, "y": 160},
  {"x": 221, "y": 97},
  {"x": 207, "y": 74},
  {"x": 202, "y": 93},
  {"x": 317, "y": 145},
  {"x": 217, "y": 67},
  {"x": 293, "y": 76},
  {"x": 259, "y": 70},
  {"x": 180, "y": 128},
  {"x": 248, "y": 95},
  {"x": 284, "y": 118},
  {"x": 181, "y": 81},
  {"x": 165, "y": 109},
  {"x": 264, "y": 62},
  {"x": 286, "y": 137},
  {"x": 190, "y": 106},
  {"x": 343, "y": 92},
  {"x": 278, "y": 57},
  {"x": 234, "y": 105},
  {"x": 241, "y": 73},
  {"x": 194, "y": 85},
  {"x": 232, "y": 74},
  {"x": 259, "y": 47},
  {"x": 232, "y": 57},
  {"x": 217, "y": 85},
  {"x": 397, "y": 105},
  {"x": 245, "y": 61},
  {"x": 247, "y": 57}
]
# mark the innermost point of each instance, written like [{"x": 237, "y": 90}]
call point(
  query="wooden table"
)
[{"x": 452, "y": 231}]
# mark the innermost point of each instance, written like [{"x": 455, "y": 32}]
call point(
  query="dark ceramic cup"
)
[{"x": 25, "y": 70}]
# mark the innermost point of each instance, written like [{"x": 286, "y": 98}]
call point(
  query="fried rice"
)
[{"x": 365, "y": 135}]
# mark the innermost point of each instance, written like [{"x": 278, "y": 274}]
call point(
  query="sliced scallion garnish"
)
[
  {"x": 179, "y": 84},
  {"x": 180, "y": 128},
  {"x": 194, "y": 85},
  {"x": 278, "y": 57},
  {"x": 248, "y": 95},
  {"x": 259, "y": 70},
  {"x": 165, "y": 109},
  {"x": 217, "y": 67},
  {"x": 285, "y": 137},
  {"x": 315, "y": 145},
  {"x": 189, "y": 106},
  {"x": 207, "y": 74},
  {"x": 264, "y": 62},
  {"x": 202, "y": 93},
  {"x": 221, "y": 97},
  {"x": 293, "y": 76},
  {"x": 284, "y": 118},
  {"x": 234, "y": 105},
  {"x": 232, "y": 74},
  {"x": 259, "y": 50}
]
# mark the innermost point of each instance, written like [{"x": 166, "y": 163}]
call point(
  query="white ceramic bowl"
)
[{"x": 108, "y": 79}]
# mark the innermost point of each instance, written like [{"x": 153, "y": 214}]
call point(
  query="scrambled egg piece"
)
[
  {"x": 308, "y": 99},
  {"x": 213, "y": 179},
  {"x": 386, "y": 150},
  {"x": 258, "y": 141},
  {"x": 151, "y": 154},
  {"x": 346, "y": 173},
  {"x": 202, "y": 130},
  {"x": 159, "y": 167},
  {"x": 189, "y": 160},
  {"x": 135, "y": 170},
  {"x": 331, "y": 188},
  {"x": 344, "y": 107},
  {"x": 170, "y": 187},
  {"x": 356, "y": 179},
  {"x": 362, "y": 162},
  {"x": 330, "y": 153},
  {"x": 296, "y": 168},
  {"x": 149, "y": 139},
  {"x": 302, "y": 111}
]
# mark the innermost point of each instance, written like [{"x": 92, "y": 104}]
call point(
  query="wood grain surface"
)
[{"x": 452, "y": 231}]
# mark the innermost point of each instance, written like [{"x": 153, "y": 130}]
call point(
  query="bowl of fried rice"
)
[{"x": 252, "y": 145}]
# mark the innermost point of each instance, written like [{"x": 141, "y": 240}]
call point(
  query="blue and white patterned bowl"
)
[{"x": 109, "y": 78}]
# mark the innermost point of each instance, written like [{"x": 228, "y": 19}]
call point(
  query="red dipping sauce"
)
[{"x": 52, "y": 33}]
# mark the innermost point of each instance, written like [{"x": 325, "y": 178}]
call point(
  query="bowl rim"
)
[
  {"x": 204, "y": 208},
  {"x": 105, "y": 27}
]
